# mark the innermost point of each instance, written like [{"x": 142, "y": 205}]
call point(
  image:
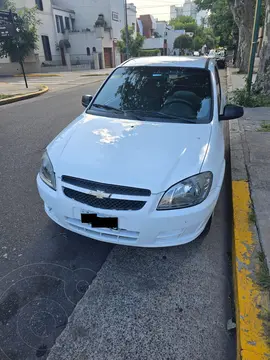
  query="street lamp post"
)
[{"x": 126, "y": 30}]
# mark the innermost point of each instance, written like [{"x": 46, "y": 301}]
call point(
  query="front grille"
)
[
  {"x": 108, "y": 188},
  {"x": 110, "y": 204}
]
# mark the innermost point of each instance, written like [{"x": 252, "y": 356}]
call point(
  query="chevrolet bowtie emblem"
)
[{"x": 99, "y": 194}]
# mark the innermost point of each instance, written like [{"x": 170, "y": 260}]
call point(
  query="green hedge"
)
[{"x": 153, "y": 52}]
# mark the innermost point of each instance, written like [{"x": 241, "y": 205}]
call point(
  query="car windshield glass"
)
[{"x": 170, "y": 94}]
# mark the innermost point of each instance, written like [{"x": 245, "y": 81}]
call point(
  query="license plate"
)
[{"x": 99, "y": 222}]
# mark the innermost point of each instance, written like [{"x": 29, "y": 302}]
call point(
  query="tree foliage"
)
[
  {"x": 186, "y": 23},
  {"x": 135, "y": 44},
  {"x": 183, "y": 42},
  {"x": 25, "y": 40},
  {"x": 149, "y": 52},
  {"x": 225, "y": 16},
  {"x": 220, "y": 20},
  {"x": 202, "y": 35}
]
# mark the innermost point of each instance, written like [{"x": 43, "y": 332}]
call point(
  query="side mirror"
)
[
  {"x": 86, "y": 99},
  {"x": 232, "y": 112}
]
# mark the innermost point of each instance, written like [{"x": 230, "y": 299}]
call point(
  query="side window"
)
[{"x": 218, "y": 87}]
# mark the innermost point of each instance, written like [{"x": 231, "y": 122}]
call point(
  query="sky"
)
[{"x": 158, "y": 8}]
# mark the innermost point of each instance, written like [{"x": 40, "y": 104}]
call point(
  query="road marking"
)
[{"x": 251, "y": 345}]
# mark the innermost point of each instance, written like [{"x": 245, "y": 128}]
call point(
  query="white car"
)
[
  {"x": 143, "y": 165},
  {"x": 196, "y": 53}
]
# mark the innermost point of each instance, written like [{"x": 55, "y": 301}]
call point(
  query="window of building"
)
[
  {"x": 67, "y": 23},
  {"x": 88, "y": 51},
  {"x": 94, "y": 49},
  {"x": 72, "y": 24},
  {"x": 39, "y": 5},
  {"x": 115, "y": 16},
  {"x": 46, "y": 48},
  {"x": 59, "y": 24}
]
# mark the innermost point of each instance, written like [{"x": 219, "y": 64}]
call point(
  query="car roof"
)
[{"x": 183, "y": 61}]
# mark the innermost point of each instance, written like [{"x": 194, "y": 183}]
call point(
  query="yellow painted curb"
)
[
  {"x": 251, "y": 344},
  {"x": 37, "y": 75},
  {"x": 23, "y": 97}
]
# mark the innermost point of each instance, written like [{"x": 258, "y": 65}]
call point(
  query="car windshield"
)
[{"x": 171, "y": 94}]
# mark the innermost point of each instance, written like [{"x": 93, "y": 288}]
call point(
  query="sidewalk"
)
[
  {"x": 254, "y": 133},
  {"x": 12, "y": 89},
  {"x": 250, "y": 170},
  {"x": 54, "y": 81}
]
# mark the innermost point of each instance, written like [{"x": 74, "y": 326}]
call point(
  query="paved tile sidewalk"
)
[
  {"x": 256, "y": 145},
  {"x": 17, "y": 89}
]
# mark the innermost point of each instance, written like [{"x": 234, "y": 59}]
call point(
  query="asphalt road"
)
[{"x": 45, "y": 270}]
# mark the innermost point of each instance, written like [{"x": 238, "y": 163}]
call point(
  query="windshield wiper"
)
[
  {"x": 119, "y": 111},
  {"x": 107, "y": 107},
  {"x": 162, "y": 115}
]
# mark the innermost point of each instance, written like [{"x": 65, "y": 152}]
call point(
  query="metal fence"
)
[{"x": 78, "y": 62}]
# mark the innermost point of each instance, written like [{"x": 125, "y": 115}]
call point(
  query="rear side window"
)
[{"x": 183, "y": 92}]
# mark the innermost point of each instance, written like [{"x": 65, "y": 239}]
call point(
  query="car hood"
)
[{"x": 144, "y": 154}]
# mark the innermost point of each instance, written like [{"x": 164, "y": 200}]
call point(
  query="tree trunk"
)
[
  {"x": 262, "y": 83},
  {"x": 243, "y": 14}
]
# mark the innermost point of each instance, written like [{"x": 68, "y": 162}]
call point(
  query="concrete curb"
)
[
  {"x": 249, "y": 299},
  {"x": 93, "y": 75},
  {"x": 13, "y": 99},
  {"x": 37, "y": 75}
]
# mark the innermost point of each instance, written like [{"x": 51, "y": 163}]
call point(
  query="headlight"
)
[
  {"x": 46, "y": 171},
  {"x": 189, "y": 192}
]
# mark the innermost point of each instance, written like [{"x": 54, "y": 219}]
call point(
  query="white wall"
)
[
  {"x": 79, "y": 41},
  {"x": 131, "y": 16},
  {"x": 87, "y": 11},
  {"x": 171, "y": 36},
  {"x": 47, "y": 26},
  {"x": 118, "y": 7},
  {"x": 153, "y": 43},
  {"x": 63, "y": 13},
  {"x": 161, "y": 28}
]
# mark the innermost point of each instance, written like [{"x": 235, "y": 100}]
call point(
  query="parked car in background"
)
[
  {"x": 196, "y": 53},
  {"x": 219, "y": 56},
  {"x": 144, "y": 164}
]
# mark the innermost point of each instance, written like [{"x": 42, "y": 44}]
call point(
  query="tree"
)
[
  {"x": 262, "y": 84},
  {"x": 222, "y": 22},
  {"x": 25, "y": 40},
  {"x": 134, "y": 44},
  {"x": 243, "y": 14},
  {"x": 183, "y": 42},
  {"x": 207, "y": 37},
  {"x": 186, "y": 23}
]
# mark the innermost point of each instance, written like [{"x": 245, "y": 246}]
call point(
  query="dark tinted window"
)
[
  {"x": 179, "y": 92},
  {"x": 67, "y": 23},
  {"x": 46, "y": 48},
  {"x": 39, "y": 5}
]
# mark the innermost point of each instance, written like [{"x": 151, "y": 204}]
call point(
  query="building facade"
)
[
  {"x": 189, "y": 8},
  {"x": 79, "y": 32},
  {"x": 132, "y": 17}
]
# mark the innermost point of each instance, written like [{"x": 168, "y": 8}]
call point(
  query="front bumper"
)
[{"x": 144, "y": 228}]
